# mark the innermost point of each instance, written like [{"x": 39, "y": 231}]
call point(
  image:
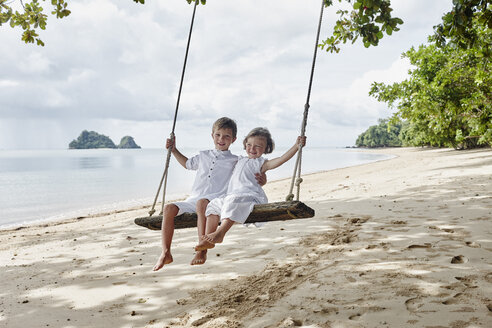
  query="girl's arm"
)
[
  {"x": 276, "y": 162},
  {"x": 182, "y": 159}
]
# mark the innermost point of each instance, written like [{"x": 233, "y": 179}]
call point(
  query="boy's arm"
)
[
  {"x": 182, "y": 159},
  {"x": 276, "y": 162}
]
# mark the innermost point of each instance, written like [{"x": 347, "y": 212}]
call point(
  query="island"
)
[
  {"x": 128, "y": 142},
  {"x": 92, "y": 140}
]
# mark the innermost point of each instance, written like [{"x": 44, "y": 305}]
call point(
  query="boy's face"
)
[
  {"x": 223, "y": 139},
  {"x": 255, "y": 146}
]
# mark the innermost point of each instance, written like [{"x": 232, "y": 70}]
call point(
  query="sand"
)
[{"x": 404, "y": 242}]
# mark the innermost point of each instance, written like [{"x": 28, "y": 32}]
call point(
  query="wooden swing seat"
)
[{"x": 279, "y": 211}]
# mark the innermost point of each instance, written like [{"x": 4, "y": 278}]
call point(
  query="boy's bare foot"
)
[
  {"x": 203, "y": 245},
  {"x": 200, "y": 258},
  {"x": 165, "y": 258}
]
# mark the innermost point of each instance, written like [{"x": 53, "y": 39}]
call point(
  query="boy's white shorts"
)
[{"x": 186, "y": 207}]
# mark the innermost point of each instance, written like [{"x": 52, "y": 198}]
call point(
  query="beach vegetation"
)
[
  {"x": 447, "y": 99},
  {"x": 381, "y": 135},
  {"x": 458, "y": 27}
]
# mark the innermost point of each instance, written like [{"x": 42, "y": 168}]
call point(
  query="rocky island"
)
[
  {"x": 127, "y": 142},
  {"x": 91, "y": 140}
]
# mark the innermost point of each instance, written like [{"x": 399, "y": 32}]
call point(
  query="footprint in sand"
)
[
  {"x": 488, "y": 277},
  {"x": 472, "y": 244},
  {"x": 355, "y": 316},
  {"x": 468, "y": 281},
  {"x": 290, "y": 322},
  {"x": 453, "y": 300},
  {"x": 413, "y": 304},
  {"x": 260, "y": 253},
  {"x": 425, "y": 245},
  {"x": 350, "y": 279},
  {"x": 119, "y": 283},
  {"x": 398, "y": 222},
  {"x": 458, "y": 259},
  {"x": 327, "y": 310}
]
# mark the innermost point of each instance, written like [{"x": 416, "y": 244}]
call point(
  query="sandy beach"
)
[{"x": 404, "y": 242}]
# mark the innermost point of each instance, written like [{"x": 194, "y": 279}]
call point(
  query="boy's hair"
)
[
  {"x": 261, "y": 132},
  {"x": 225, "y": 123}
]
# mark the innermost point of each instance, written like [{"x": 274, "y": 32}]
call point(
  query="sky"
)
[{"x": 114, "y": 66}]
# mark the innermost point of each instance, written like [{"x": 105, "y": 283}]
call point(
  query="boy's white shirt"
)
[{"x": 214, "y": 169}]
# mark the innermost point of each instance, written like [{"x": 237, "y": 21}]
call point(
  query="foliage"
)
[
  {"x": 368, "y": 21},
  {"x": 381, "y": 135},
  {"x": 457, "y": 26},
  {"x": 447, "y": 99},
  {"x": 32, "y": 18},
  {"x": 89, "y": 140}
]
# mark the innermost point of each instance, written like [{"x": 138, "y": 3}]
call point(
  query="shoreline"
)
[
  {"x": 408, "y": 238},
  {"x": 123, "y": 206}
]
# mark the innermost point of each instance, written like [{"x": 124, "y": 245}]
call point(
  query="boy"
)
[{"x": 214, "y": 169}]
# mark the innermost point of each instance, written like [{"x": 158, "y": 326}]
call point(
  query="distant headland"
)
[{"x": 91, "y": 140}]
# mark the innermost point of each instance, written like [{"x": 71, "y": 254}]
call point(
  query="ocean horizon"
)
[{"x": 51, "y": 185}]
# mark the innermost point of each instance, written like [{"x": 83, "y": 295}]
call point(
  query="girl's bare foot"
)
[
  {"x": 209, "y": 241},
  {"x": 215, "y": 237},
  {"x": 165, "y": 258},
  {"x": 203, "y": 245},
  {"x": 200, "y": 258}
]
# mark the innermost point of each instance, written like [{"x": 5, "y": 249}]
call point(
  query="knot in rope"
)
[
  {"x": 298, "y": 182},
  {"x": 289, "y": 197}
]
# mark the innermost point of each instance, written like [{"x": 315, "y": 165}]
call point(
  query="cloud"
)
[
  {"x": 115, "y": 66},
  {"x": 352, "y": 105}
]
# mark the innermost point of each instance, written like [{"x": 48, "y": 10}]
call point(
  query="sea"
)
[{"x": 51, "y": 185}]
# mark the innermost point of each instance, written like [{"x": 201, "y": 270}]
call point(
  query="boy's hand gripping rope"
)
[{"x": 168, "y": 158}]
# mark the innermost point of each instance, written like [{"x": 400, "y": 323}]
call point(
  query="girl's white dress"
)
[{"x": 243, "y": 192}]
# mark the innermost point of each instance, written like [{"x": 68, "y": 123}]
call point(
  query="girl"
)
[{"x": 243, "y": 192}]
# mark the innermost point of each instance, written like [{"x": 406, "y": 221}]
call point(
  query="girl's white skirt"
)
[{"x": 234, "y": 207}]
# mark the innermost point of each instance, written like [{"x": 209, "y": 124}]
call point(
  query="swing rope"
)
[
  {"x": 296, "y": 176},
  {"x": 168, "y": 157}
]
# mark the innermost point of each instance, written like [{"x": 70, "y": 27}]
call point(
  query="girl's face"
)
[{"x": 255, "y": 146}]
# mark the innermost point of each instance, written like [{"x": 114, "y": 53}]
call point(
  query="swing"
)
[{"x": 278, "y": 211}]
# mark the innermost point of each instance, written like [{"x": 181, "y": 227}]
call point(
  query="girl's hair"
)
[
  {"x": 261, "y": 132},
  {"x": 225, "y": 123}
]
